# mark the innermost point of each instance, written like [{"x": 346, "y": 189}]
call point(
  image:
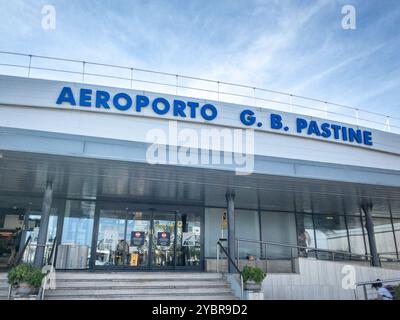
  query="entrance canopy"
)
[{"x": 26, "y": 174}]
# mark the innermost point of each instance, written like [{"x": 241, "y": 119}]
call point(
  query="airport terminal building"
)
[{"x": 122, "y": 178}]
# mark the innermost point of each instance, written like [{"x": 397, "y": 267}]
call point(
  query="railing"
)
[
  {"x": 50, "y": 263},
  {"x": 43, "y": 67},
  {"x": 302, "y": 251},
  {"x": 366, "y": 292},
  {"x": 28, "y": 256},
  {"x": 389, "y": 256},
  {"x": 21, "y": 252},
  {"x": 230, "y": 259}
]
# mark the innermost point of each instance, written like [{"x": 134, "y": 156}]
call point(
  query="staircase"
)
[{"x": 140, "y": 286}]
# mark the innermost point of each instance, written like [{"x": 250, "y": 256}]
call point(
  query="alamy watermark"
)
[
  {"x": 349, "y": 277},
  {"x": 349, "y": 18},
  {"x": 48, "y": 17},
  {"x": 232, "y": 148}
]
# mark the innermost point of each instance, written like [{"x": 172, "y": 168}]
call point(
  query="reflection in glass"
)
[
  {"x": 356, "y": 235},
  {"x": 112, "y": 248},
  {"x": 396, "y": 226},
  {"x": 76, "y": 237},
  {"x": 272, "y": 224},
  {"x": 213, "y": 230},
  {"x": 247, "y": 226},
  {"x": 137, "y": 235},
  {"x": 331, "y": 234},
  {"x": 163, "y": 240},
  {"x": 188, "y": 244},
  {"x": 305, "y": 235},
  {"x": 384, "y": 237}
]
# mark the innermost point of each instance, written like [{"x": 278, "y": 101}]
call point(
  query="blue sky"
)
[{"x": 292, "y": 46}]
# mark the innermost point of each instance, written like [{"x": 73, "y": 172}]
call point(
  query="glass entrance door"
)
[
  {"x": 146, "y": 239},
  {"x": 163, "y": 244},
  {"x": 123, "y": 238}
]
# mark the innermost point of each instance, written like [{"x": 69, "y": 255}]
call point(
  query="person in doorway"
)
[
  {"x": 122, "y": 252},
  {"x": 382, "y": 292}
]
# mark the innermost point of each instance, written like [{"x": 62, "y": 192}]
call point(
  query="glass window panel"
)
[
  {"x": 163, "y": 253},
  {"x": 112, "y": 248},
  {"x": 33, "y": 226},
  {"x": 305, "y": 234},
  {"x": 384, "y": 237},
  {"x": 356, "y": 235},
  {"x": 76, "y": 237},
  {"x": 331, "y": 232},
  {"x": 138, "y": 239},
  {"x": 213, "y": 230},
  {"x": 188, "y": 245},
  {"x": 247, "y": 226},
  {"x": 272, "y": 224},
  {"x": 396, "y": 225}
]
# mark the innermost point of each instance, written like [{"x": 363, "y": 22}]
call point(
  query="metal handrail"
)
[
  {"x": 366, "y": 257},
  {"x": 50, "y": 258},
  {"x": 365, "y": 283},
  {"x": 220, "y": 246},
  {"x": 385, "y": 123},
  {"x": 50, "y": 262},
  {"x": 21, "y": 252},
  {"x": 334, "y": 252}
]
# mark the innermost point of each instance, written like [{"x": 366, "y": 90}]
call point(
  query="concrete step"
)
[
  {"x": 135, "y": 275},
  {"x": 138, "y": 283},
  {"x": 185, "y": 296},
  {"x": 136, "y": 291}
]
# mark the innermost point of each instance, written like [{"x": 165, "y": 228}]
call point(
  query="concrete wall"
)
[{"x": 320, "y": 280}]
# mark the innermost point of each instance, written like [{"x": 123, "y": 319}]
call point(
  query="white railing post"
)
[
  {"x": 176, "y": 86},
  {"x": 131, "y": 78},
  {"x": 291, "y": 102},
  {"x": 326, "y": 110},
  {"x": 83, "y": 71},
  {"x": 387, "y": 125},
  {"x": 255, "y": 98},
  {"x": 218, "y": 91},
  {"x": 357, "y": 118},
  {"x": 30, "y": 64}
]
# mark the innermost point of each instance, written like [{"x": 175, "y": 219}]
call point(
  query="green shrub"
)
[
  {"x": 25, "y": 273},
  {"x": 253, "y": 274},
  {"x": 397, "y": 292}
]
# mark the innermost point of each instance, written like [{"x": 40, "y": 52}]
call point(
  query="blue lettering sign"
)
[
  {"x": 276, "y": 121},
  {"x": 66, "y": 95},
  {"x": 179, "y": 108},
  {"x": 123, "y": 102},
  {"x": 339, "y": 132},
  {"x": 247, "y": 117}
]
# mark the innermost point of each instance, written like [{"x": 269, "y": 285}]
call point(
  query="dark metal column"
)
[
  {"x": 230, "y": 199},
  {"x": 369, "y": 225},
  {"x": 44, "y": 223}
]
